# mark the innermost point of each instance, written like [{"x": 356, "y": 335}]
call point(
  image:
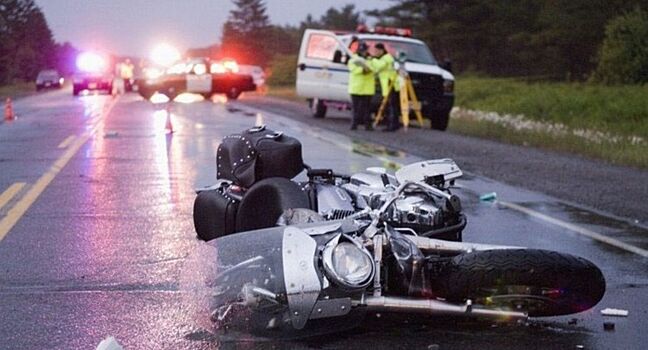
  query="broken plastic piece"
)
[
  {"x": 109, "y": 343},
  {"x": 487, "y": 197},
  {"x": 608, "y": 326},
  {"x": 614, "y": 312}
]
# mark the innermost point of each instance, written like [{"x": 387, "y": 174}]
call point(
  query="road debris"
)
[
  {"x": 614, "y": 312},
  {"x": 608, "y": 326},
  {"x": 488, "y": 197},
  {"x": 109, "y": 343},
  {"x": 111, "y": 134}
]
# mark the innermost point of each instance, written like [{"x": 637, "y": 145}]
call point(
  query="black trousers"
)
[
  {"x": 392, "y": 110},
  {"x": 361, "y": 110}
]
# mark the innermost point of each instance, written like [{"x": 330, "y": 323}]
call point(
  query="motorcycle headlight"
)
[{"x": 348, "y": 265}]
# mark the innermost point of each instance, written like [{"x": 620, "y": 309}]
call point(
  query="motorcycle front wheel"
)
[{"x": 539, "y": 282}]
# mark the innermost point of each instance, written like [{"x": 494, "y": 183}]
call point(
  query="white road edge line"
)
[
  {"x": 574, "y": 228},
  {"x": 580, "y": 230}
]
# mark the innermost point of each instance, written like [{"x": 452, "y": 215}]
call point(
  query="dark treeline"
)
[
  {"x": 557, "y": 39},
  {"x": 249, "y": 36},
  {"x": 543, "y": 39},
  {"x": 27, "y": 44}
]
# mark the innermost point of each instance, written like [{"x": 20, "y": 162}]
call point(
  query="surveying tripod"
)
[{"x": 408, "y": 100}]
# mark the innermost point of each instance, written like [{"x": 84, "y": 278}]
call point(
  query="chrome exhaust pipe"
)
[{"x": 437, "y": 307}]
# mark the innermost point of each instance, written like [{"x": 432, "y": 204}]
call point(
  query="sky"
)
[{"x": 134, "y": 27}]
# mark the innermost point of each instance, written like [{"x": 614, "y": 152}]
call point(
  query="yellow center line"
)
[
  {"x": 68, "y": 140},
  {"x": 8, "y": 194},
  {"x": 18, "y": 210}
]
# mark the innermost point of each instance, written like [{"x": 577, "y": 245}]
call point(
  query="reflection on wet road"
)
[{"x": 107, "y": 247}]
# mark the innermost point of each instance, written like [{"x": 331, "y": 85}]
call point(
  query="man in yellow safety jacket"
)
[
  {"x": 362, "y": 86},
  {"x": 383, "y": 64}
]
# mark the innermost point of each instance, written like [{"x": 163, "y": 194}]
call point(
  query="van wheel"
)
[
  {"x": 318, "y": 108},
  {"x": 233, "y": 93},
  {"x": 439, "y": 121}
]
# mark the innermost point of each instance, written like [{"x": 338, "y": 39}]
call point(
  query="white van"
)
[{"x": 322, "y": 74}]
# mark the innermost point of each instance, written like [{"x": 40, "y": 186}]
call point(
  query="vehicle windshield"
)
[
  {"x": 50, "y": 74},
  {"x": 414, "y": 52}
]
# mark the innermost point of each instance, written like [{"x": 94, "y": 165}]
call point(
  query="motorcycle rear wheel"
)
[{"x": 540, "y": 282}]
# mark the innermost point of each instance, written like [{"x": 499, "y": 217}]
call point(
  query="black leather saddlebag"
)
[
  {"x": 215, "y": 211},
  {"x": 258, "y": 154}
]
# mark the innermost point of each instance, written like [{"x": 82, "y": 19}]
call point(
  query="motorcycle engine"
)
[{"x": 415, "y": 209}]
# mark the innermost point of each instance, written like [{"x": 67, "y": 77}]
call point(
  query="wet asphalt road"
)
[{"x": 103, "y": 232}]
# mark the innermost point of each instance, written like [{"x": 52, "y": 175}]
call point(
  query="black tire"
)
[
  {"x": 266, "y": 200},
  {"x": 146, "y": 93},
  {"x": 171, "y": 93},
  {"x": 439, "y": 121},
  {"x": 318, "y": 108},
  {"x": 540, "y": 282},
  {"x": 233, "y": 93}
]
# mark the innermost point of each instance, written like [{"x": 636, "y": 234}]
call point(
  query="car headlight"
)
[
  {"x": 348, "y": 265},
  {"x": 448, "y": 86}
]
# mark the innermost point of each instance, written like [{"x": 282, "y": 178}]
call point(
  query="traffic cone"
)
[
  {"x": 9, "y": 112},
  {"x": 169, "y": 126}
]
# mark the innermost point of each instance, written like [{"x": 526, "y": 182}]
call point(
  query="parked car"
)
[
  {"x": 93, "y": 73},
  {"x": 49, "y": 78}
]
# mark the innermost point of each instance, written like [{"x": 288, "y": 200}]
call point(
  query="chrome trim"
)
[
  {"x": 435, "y": 307},
  {"x": 431, "y": 245},
  {"x": 300, "y": 275}
]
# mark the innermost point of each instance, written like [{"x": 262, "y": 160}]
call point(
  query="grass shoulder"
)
[
  {"x": 595, "y": 121},
  {"x": 17, "y": 90}
]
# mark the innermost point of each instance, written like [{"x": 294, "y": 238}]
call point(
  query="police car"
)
[
  {"x": 322, "y": 74},
  {"x": 92, "y": 74},
  {"x": 196, "y": 75}
]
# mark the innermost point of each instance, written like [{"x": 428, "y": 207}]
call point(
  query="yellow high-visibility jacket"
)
[
  {"x": 384, "y": 66},
  {"x": 361, "y": 82}
]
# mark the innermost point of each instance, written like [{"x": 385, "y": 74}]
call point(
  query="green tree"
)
[
  {"x": 26, "y": 43},
  {"x": 245, "y": 33},
  {"x": 623, "y": 57},
  {"x": 555, "y": 39},
  {"x": 346, "y": 18}
]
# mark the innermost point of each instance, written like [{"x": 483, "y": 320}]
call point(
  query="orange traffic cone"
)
[
  {"x": 9, "y": 112},
  {"x": 169, "y": 126}
]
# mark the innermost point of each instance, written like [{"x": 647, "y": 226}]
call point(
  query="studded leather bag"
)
[{"x": 256, "y": 154}]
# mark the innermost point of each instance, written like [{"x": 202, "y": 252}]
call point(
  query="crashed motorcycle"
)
[
  {"x": 254, "y": 190},
  {"x": 317, "y": 271}
]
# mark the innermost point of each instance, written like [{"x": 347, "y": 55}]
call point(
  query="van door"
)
[{"x": 321, "y": 72}]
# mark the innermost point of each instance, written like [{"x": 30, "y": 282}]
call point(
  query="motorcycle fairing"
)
[{"x": 300, "y": 275}]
